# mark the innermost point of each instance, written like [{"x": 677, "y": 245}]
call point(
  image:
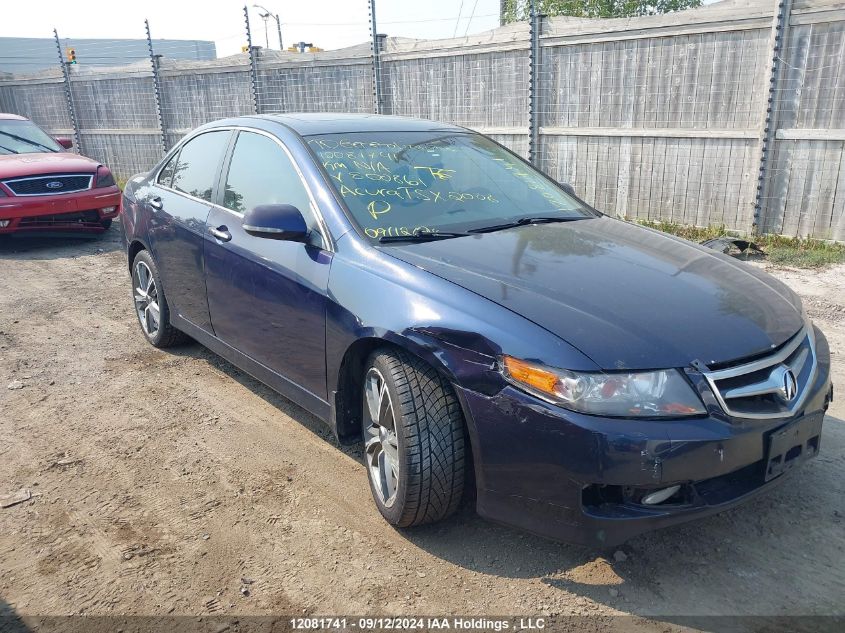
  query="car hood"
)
[
  {"x": 626, "y": 296},
  {"x": 16, "y": 165}
]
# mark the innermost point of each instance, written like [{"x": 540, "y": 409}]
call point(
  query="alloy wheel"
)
[
  {"x": 380, "y": 442},
  {"x": 146, "y": 298}
]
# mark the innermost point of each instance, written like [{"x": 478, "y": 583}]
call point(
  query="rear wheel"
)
[
  {"x": 413, "y": 439},
  {"x": 150, "y": 303}
]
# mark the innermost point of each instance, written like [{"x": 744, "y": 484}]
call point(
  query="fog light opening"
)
[
  {"x": 4, "y": 223},
  {"x": 659, "y": 496}
]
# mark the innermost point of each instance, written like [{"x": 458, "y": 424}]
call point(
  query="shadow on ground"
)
[
  {"x": 10, "y": 621},
  {"x": 60, "y": 245},
  {"x": 666, "y": 572}
]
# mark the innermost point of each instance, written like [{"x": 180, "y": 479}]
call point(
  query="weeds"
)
[{"x": 788, "y": 251}]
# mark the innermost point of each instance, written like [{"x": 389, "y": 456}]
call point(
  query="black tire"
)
[
  {"x": 165, "y": 335},
  {"x": 429, "y": 429},
  {"x": 106, "y": 224}
]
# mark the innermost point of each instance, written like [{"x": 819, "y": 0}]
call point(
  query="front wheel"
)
[{"x": 413, "y": 439}]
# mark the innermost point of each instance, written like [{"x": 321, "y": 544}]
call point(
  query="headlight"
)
[
  {"x": 663, "y": 393},
  {"x": 104, "y": 178}
]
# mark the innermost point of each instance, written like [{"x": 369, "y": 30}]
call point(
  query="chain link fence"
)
[{"x": 732, "y": 114}]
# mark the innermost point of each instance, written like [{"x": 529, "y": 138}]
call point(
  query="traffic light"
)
[
  {"x": 70, "y": 54},
  {"x": 244, "y": 49}
]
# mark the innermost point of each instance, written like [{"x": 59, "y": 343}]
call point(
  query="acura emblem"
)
[
  {"x": 55, "y": 184},
  {"x": 790, "y": 385}
]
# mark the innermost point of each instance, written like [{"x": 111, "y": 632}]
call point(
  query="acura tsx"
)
[{"x": 429, "y": 293}]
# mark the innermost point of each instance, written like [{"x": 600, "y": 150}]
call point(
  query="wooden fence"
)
[{"x": 722, "y": 115}]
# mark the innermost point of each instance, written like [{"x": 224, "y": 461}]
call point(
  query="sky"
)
[{"x": 325, "y": 23}]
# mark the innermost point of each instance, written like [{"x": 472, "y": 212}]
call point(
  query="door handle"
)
[
  {"x": 221, "y": 233},
  {"x": 156, "y": 203}
]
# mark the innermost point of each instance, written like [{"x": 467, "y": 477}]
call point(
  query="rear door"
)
[
  {"x": 267, "y": 298},
  {"x": 179, "y": 209}
]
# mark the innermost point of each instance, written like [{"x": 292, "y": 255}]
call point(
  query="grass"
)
[{"x": 787, "y": 251}]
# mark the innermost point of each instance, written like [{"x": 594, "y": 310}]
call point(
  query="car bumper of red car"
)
[{"x": 84, "y": 211}]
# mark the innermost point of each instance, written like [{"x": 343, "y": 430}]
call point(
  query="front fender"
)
[{"x": 376, "y": 297}]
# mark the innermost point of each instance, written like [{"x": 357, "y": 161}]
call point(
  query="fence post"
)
[
  {"x": 376, "y": 47},
  {"x": 534, "y": 22},
  {"x": 780, "y": 25},
  {"x": 253, "y": 63},
  {"x": 77, "y": 138},
  {"x": 156, "y": 88}
]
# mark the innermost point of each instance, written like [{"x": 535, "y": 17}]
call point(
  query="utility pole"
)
[
  {"x": 279, "y": 29},
  {"x": 266, "y": 16}
]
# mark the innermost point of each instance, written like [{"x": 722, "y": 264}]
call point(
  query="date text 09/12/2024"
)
[{"x": 457, "y": 623}]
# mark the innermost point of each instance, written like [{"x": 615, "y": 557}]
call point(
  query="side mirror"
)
[
  {"x": 276, "y": 222},
  {"x": 568, "y": 188},
  {"x": 65, "y": 142}
]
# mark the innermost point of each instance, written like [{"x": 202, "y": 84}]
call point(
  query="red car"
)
[{"x": 43, "y": 187}]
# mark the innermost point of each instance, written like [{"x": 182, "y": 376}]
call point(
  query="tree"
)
[{"x": 515, "y": 10}]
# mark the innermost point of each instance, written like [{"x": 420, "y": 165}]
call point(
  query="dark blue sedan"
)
[{"x": 424, "y": 290}]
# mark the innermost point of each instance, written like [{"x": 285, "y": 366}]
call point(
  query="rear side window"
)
[
  {"x": 165, "y": 176},
  {"x": 262, "y": 173},
  {"x": 196, "y": 167}
]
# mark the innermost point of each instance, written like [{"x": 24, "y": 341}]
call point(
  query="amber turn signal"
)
[{"x": 530, "y": 375}]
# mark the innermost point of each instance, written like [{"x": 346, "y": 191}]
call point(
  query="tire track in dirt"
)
[{"x": 192, "y": 476}]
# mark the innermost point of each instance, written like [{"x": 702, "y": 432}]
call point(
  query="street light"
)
[{"x": 264, "y": 16}]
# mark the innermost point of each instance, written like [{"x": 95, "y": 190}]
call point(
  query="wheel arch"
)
[
  {"x": 348, "y": 393},
  {"x": 347, "y": 400},
  {"x": 135, "y": 247}
]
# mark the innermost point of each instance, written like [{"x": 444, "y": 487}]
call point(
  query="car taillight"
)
[{"x": 104, "y": 178}]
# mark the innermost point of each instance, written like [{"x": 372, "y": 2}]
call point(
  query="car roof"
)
[
  {"x": 308, "y": 123},
  {"x": 13, "y": 117}
]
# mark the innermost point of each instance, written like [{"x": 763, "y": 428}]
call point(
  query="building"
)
[{"x": 31, "y": 54}]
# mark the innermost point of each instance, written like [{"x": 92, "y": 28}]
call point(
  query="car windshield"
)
[
  {"x": 24, "y": 137},
  {"x": 398, "y": 183}
]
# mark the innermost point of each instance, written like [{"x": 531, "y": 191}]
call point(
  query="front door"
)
[
  {"x": 179, "y": 205},
  {"x": 266, "y": 297}
]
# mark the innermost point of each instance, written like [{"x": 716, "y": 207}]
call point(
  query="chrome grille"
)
[
  {"x": 49, "y": 185},
  {"x": 772, "y": 387}
]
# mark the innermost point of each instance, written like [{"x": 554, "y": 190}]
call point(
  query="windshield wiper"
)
[
  {"x": 421, "y": 236},
  {"x": 26, "y": 140},
  {"x": 9, "y": 149},
  {"x": 523, "y": 222}
]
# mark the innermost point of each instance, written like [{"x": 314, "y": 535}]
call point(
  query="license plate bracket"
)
[{"x": 792, "y": 445}]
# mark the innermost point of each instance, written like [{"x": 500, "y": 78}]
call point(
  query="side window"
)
[
  {"x": 262, "y": 173},
  {"x": 165, "y": 176},
  {"x": 196, "y": 168}
]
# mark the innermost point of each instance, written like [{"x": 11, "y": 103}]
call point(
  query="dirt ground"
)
[{"x": 169, "y": 482}]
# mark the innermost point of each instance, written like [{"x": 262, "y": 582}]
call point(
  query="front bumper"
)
[
  {"x": 82, "y": 211},
  {"x": 578, "y": 478}
]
